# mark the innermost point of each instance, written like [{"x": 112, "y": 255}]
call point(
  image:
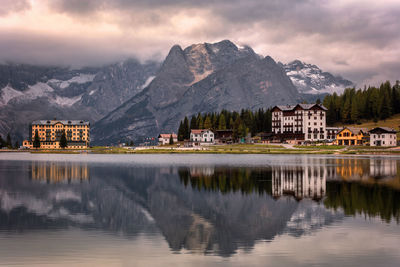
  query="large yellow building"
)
[
  {"x": 49, "y": 132},
  {"x": 350, "y": 136}
]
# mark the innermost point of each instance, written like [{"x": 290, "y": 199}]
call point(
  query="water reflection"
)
[
  {"x": 299, "y": 182},
  {"x": 204, "y": 209},
  {"x": 56, "y": 172}
]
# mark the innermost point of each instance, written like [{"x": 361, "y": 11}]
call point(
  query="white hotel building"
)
[{"x": 298, "y": 123}]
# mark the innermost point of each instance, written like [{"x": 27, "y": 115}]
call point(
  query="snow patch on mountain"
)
[
  {"x": 38, "y": 90},
  {"x": 147, "y": 82},
  {"x": 66, "y": 101},
  {"x": 8, "y": 93},
  {"x": 79, "y": 79},
  {"x": 310, "y": 79},
  {"x": 35, "y": 91}
]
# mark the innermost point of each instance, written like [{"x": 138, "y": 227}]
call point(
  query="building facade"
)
[
  {"x": 77, "y": 133},
  {"x": 202, "y": 137},
  {"x": 301, "y": 122},
  {"x": 350, "y": 136},
  {"x": 383, "y": 136},
  {"x": 224, "y": 136},
  {"x": 163, "y": 139},
  {"x": 331, "y": 132}
]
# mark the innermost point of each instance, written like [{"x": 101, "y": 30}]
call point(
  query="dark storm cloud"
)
[
  {"x": 358, "y": 23},
  {"x": 343, "y": 36}
]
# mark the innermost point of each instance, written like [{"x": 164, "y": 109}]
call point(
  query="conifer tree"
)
[
  {"x": 222, "y": 123},
  {"x": 9, "y": 142},
  {"x": 354, "y": 115},
  {"x": 207, "y": 123},
  {"x": 63, "y": 140},
  {"x": 193, "y": 123},
  {"x": 181, "y": 132},
  {"x": 36, "y": 140},
  {"x": 200, "y": 122},
  {"x": 186, "y": 128},
  {"x": 171, "y": 140}
]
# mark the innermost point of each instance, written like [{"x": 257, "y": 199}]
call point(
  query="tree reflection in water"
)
[{"x": 357, "y": 186}]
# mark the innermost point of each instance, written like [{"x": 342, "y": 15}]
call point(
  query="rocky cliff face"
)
[
  {"x": 29, "y": 93},
  {"x": 133, "y": 100},
  {"x": 309, "y": 79},
  {"x": 200, "y": 78}
]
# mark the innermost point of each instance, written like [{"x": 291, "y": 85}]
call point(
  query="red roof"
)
[
  {"x": 198, "y": 131},
  {"x": 167, "y": 136}
]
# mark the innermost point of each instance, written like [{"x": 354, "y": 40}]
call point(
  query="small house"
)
[
  {"x": 383, "y": 136},
  {"x": 202, "y": 137},
  {"x": 163, "y": 139},
  {"x": 350, "y": 136}
]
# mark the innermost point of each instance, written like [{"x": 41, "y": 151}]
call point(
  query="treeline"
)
[
  {"x": 8, "y": 142},
  {"x": 371, "y": 200},
  {"x": 242, "y": 123},
  {"x": 227, "y": 180},
  {"x": 370, "y": 103}
]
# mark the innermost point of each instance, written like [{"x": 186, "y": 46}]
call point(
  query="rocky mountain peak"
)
[
  {"x": 310, "y": 79},
  {"x": 201, "y": 78}
]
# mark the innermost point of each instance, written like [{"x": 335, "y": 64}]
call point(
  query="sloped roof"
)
[
  {"x": 286, "y": 107},
  {"x": 167, "y": 136},
  {"x": 65, "y": 122},
  {"x": 383, "y": 129},
  {"x": 199, "y": 131},
  {"x": 303, "y": 106},
  {"x": 355, "y": 130}
]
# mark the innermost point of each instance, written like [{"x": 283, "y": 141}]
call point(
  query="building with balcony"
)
[
  {"x": 77, "y": 133},
  {"x": 383, "y": 136},
  {"x": 299, "y": 123},
  {"x": 350, "y": 136},
  {"x": 331, "y": 132}
]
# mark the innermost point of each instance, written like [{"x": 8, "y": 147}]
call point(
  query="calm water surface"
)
[{"x": 199, "y": 210}]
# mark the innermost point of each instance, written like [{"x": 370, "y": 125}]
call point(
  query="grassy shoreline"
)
[{"x": 225, "y": 149}]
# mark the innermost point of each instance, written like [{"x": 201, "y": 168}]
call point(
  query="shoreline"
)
[{"x": 225, "y": 149}]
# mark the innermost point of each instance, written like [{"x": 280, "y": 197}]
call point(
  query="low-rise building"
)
[
  {"x": 224, "y": 136},
  {"x": 331, "y": 132},
  {"x": 163, "y": 139},
  {"x": 383, "y": 136},
  {"x": 201, "y": 137},
  {"x": 350, "y": 136},
  {"x": 77, "y": 133}
]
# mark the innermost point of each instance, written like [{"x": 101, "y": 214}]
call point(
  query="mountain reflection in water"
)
[{"x": 204, "y": 209}]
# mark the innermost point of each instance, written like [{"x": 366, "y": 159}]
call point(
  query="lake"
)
[{"x": 199, "y": 210}]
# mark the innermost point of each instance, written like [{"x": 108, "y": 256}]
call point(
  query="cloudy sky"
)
[{"x": 358, "y": 39}]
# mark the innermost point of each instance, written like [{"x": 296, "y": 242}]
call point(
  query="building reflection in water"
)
[
  {"x": 299, "y": 182},
  {"x": 59, "y": 172}
]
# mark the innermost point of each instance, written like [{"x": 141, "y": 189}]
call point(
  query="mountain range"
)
[{"x": 131, "y": 100}]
